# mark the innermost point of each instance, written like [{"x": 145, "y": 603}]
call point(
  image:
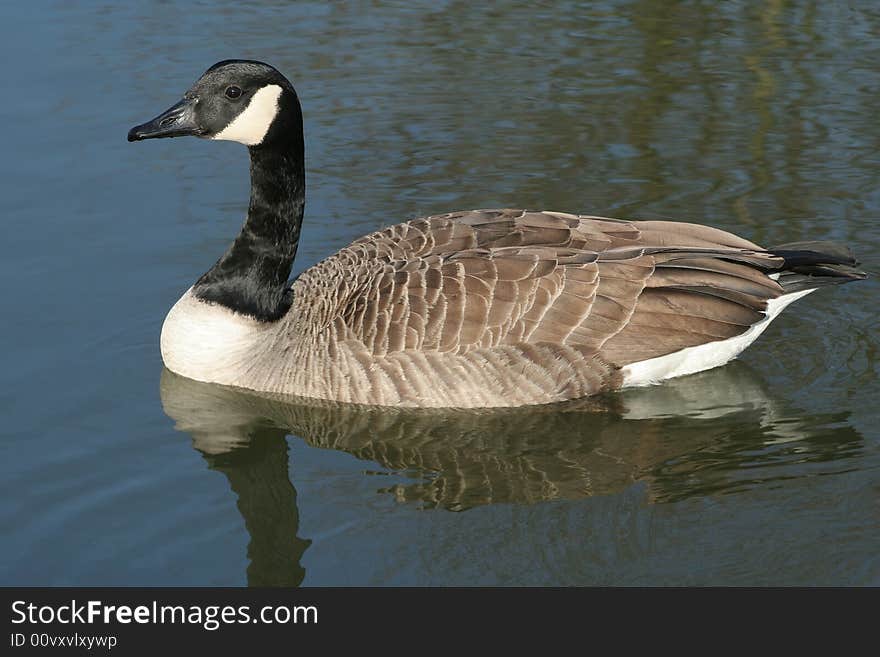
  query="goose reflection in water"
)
[
  {"x": 718, "y": 431},
  {"x": 253, "y": 455}
]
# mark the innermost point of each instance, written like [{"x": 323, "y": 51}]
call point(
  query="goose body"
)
[{"x": 484, "y": 308}]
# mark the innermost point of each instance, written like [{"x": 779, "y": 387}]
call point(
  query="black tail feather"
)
[{"x": 809, "y": 265}]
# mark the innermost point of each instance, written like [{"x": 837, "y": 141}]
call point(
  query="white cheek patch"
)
[{"x": 250, "y": 127}]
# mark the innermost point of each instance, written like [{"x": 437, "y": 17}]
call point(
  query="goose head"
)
[{"x": 235, "y": 100}]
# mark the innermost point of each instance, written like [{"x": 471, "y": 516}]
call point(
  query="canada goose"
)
[{"x": 481, "y": 308}]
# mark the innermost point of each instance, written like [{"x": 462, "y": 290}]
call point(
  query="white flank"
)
[
  {"x": 206, "y": 341},
  {"x": 250, "y": 127},
  {"x": 705, "y": 356}
]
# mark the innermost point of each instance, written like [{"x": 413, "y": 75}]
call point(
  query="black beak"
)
[{"x": 176, "y": 121}]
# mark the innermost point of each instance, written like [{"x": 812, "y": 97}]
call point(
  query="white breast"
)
[
  {"x": 209, "y": 342},
  {"x": 705, "y": 356}
]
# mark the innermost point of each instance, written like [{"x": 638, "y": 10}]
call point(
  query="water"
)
[{"x": 760, "y": 118}]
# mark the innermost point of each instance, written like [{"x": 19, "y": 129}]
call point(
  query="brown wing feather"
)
[
  {"x": 626, "y": 291},
  {"x": 690, "y": 301}
]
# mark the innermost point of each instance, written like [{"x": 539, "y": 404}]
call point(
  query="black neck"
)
[{"x": 251, "y": 277}]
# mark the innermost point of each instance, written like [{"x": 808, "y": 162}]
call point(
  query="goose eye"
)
[{"x": 233, "y": 92}]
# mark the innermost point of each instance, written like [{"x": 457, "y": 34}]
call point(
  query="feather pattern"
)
[
  {"x": 508, "y": 307},
  {"x": 503, "y": 308}
]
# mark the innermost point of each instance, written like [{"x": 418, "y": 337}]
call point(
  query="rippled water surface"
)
[{"x": 757, "y": 117}]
